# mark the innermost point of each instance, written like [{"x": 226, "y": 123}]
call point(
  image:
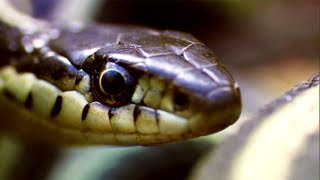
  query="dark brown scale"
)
[
  {"x": 29, "y": 101},
  {"x": 136, "y": 113},
  {"x": 111, "y": 113},
  {"x": 57, "y": 107},
  {"x": 85, "y": 112},
  {"x": 52, "y": 69}
]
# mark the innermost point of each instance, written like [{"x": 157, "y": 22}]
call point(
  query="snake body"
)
[{"x": 114, "y": 84}]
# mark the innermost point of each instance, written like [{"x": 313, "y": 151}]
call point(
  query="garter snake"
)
[{"x": 111, "y": 84}]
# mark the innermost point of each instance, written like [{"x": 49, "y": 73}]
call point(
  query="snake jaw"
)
[
  {"x": 69, "y": 116},
  {"x": 203, "y": 114},
  {"x": 217, "y": 113}
]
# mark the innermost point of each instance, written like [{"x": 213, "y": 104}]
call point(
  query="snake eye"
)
[
  {"x": 112, "y": 82},
  {"x": 113, "y": 85}
]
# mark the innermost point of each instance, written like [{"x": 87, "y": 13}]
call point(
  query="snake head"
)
[
  {"x": 176, "y": 83},
  {"x": 123, "y": 85}
]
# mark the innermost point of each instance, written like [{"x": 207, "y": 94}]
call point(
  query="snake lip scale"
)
[{"x": 115, "y": 84}]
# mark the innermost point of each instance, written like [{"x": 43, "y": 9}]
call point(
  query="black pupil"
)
[{"x": 112, "y": 82}]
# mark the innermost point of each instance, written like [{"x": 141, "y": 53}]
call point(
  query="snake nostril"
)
[{"x": 180, "y": 100}]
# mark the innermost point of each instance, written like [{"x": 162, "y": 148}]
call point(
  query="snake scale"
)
[{"x": 112, "y": 84}]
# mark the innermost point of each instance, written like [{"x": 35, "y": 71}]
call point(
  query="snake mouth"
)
[
  {"x": 204, "y": 113},
  {"x": 158, "y": 113},
  {"x": 69, "y": 116}
]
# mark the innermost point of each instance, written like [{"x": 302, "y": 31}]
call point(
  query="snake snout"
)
[
  {"x": 212, "y": 99},
  {"x": 215, "y": 111}
]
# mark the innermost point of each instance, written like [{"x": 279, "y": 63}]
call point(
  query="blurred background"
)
[{"x": 269, "y": 46}]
